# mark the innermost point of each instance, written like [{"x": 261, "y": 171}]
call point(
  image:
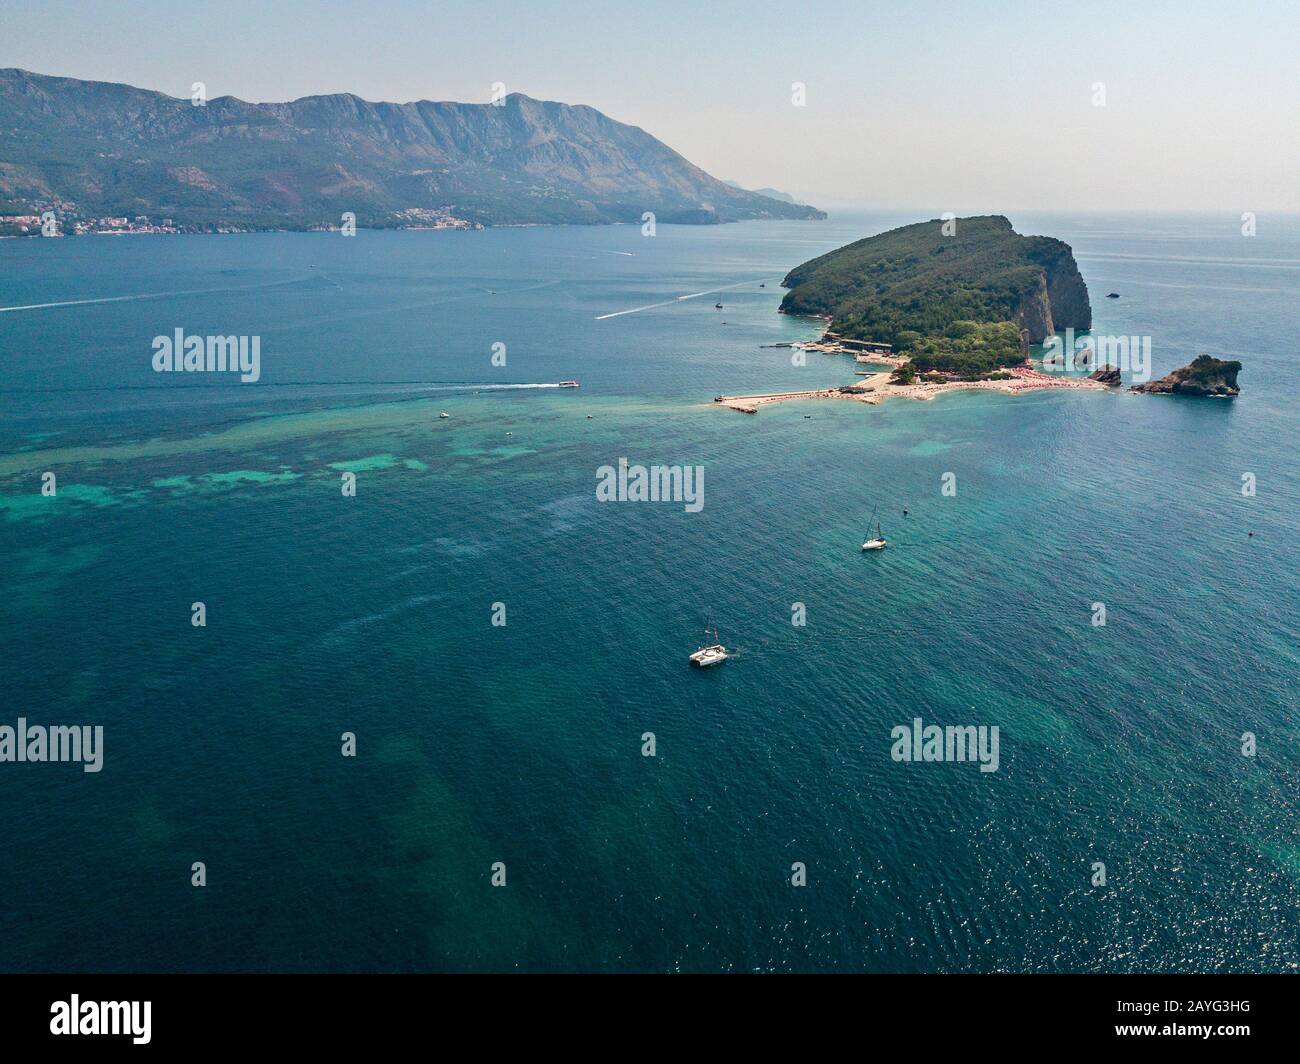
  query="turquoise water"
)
[{"x": 522, "y": 743}]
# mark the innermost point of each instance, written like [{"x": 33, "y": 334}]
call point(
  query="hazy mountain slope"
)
[
  {"x": 92, "y": 148},
  {"x": 770, "y": 193}
]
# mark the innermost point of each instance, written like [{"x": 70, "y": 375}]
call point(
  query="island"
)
[
  {"x": 943, "y": 305},
  {"x": 1204, "y": 375}
]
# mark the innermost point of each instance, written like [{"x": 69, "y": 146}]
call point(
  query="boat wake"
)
[
  {"x": 675, "y": 301},
  {"x": 491, "y": 387},
  {"x": 151, "y": 295}
]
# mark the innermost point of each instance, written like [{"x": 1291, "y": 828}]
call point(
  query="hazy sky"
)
[{"x": 948, "y": 106}]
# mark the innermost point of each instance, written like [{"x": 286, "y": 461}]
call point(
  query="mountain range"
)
[{"x": 89, "y": 149}]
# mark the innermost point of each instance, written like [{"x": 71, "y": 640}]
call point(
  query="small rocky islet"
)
[{"x": 1203, "y": 376}]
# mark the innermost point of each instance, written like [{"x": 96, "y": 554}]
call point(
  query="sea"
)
[{"x": 438, "y": 715}]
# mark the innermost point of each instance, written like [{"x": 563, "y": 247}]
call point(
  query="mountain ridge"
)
[{"x": 91, "y": 149}]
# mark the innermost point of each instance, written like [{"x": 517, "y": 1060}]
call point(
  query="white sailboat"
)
[
  {"x": 876, "y": 542},
  {"x": 710, "y": 655}
]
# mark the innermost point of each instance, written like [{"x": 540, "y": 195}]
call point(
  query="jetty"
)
[
  {"x": 866, "y": 347},
  {"x": 877, "y": 354}
]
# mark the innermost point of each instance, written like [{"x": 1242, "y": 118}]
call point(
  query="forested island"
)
[
  {"x": 949, "y": 304},
  {"x": 961, "y": 297}
]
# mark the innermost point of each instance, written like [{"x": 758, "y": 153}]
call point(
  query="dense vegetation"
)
[
  {"x": 930, "y": 294},
  {"x": 1206, "y": 371},
  {"x": 968, "y": 349}
]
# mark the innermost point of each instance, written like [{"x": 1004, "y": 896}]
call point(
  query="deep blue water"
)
[{"x": 522, "y": 743}]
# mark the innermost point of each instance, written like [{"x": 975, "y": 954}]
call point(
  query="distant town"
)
[
  {"x": 60, "y": 219},
  {"x": 41, "y": 224}
]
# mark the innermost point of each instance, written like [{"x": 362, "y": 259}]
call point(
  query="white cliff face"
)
[
  {"x": 1035, "y": 313},
  {"x": 1066, "y": 292}
]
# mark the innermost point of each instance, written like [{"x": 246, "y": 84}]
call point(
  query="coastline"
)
[
  {"x": 876, "y": 388},
  {"x": 468, "y": 228}
]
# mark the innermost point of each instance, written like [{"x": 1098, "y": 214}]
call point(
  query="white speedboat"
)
[
  {"x": 710, "y": 655},
  {"x": 444, "y": 414}
]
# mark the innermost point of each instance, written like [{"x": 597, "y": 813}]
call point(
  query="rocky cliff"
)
[{"x": 1068, "y": 305}]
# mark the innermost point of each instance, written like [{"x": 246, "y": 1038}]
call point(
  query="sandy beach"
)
[{"x": 876, "y": 388}]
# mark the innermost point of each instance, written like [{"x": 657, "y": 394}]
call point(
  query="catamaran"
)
[{"x": 712, "y": 655}]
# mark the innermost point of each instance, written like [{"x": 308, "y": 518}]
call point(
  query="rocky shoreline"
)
[{"x": 1203, "y": 376}]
